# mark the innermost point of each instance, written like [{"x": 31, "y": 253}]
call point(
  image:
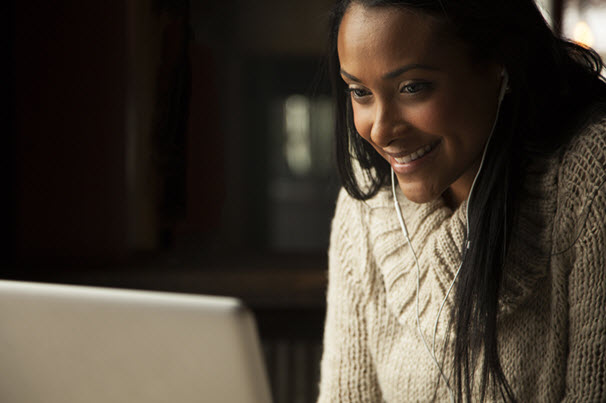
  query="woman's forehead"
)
[
  {"x": 390, "y": 35},
  {"x": 396, "y": 20}
]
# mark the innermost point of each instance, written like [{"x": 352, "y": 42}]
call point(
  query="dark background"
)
[{"x": 144, "y": 127}]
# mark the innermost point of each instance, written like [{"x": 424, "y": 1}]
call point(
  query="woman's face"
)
[{"x": 418, "y": 98}]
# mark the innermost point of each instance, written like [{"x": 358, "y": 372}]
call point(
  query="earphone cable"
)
[{"x": 414, "y": 254}]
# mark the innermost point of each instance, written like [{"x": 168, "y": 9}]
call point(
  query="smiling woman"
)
[
  {"x": 493, "y": 132},
  {"x": 412, "y": 89}
]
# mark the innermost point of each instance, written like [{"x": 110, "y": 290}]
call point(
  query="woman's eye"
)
[
  {"x": 413, "y": 88},
  {"x": 358, "y": 92}
]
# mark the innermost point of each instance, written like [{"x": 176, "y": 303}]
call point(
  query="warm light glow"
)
[{"x": 582, "y": 34}]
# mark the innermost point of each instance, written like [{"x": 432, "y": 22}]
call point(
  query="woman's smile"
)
[{"x": 407, "y": 163}]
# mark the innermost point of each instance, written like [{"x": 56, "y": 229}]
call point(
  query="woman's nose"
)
[{"x": 387, "y": 124}]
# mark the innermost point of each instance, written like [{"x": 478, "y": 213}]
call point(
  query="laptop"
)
[{"x": 76, "y": 344}]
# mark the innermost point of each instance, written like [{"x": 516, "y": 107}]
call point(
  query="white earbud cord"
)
[
  {"x": 467, "y": 246},
  {"x": 414, "y": 254}
]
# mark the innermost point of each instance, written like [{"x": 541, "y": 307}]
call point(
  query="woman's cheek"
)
[
  {"x": 425, "y": 116},
  {"x": 362, "y": 123}
]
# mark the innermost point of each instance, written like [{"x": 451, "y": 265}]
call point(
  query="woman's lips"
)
[{"x": 407, "y": 163}]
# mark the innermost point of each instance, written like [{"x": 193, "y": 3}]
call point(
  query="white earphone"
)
[{"x": 432, "y": 351}]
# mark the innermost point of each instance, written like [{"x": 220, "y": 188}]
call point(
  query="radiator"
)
[{"x": 294, "y": 369}]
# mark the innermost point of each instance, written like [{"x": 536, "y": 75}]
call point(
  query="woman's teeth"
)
[{"x": 414, "y": 156}]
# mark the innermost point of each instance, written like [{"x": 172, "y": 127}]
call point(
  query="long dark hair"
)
[{"x": 554, "y": 85}]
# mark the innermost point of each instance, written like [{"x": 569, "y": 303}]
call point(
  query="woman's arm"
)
[
  {"x": 586, "y": 366},
  {"x": 348, "y": 373}
]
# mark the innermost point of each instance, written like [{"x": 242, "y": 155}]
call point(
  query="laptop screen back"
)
[{"x": 68, "y": 344}]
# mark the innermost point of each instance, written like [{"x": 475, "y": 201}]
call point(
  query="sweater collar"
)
[{"x": 437, "y": 234}]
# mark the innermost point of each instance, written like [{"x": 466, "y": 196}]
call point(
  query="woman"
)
[{"x": 493, "y": 134}]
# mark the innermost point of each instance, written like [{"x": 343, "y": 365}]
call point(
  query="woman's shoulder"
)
[
  {"x": 348, "y": 208},
  {"x": 353, "y": 233},
  {"x": 582, "y": 168},
  {"x": 348, "y": 213},
  {"x": 581, "y": 180},
  {"x": 352, "y": 217},
  {"x": 584, "y": 156},
  {"x": 348, "y": 236}
]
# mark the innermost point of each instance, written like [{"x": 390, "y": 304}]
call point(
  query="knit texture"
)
[{"x": 552, "y": 320}]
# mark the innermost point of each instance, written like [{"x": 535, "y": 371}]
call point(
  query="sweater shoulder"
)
[
  {"x": 584, "y": 157},
  {"x": 581, "y": 181},
  {"x": 349, "y": 252}
]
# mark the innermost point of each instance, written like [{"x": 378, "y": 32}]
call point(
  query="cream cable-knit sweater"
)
[{"x": 552, "y": 325}]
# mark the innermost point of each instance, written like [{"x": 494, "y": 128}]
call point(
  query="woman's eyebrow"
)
[
  {"x": 404, "y": 69},
  {"x": 395, "y": 73},
  {"x": 351, "y": 77}
]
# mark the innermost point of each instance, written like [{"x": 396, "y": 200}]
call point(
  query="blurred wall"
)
[
  {"x": 133, "y": 126},
  {"x": 71, "y": 82},
  {"x": 253, "y": 50}
]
